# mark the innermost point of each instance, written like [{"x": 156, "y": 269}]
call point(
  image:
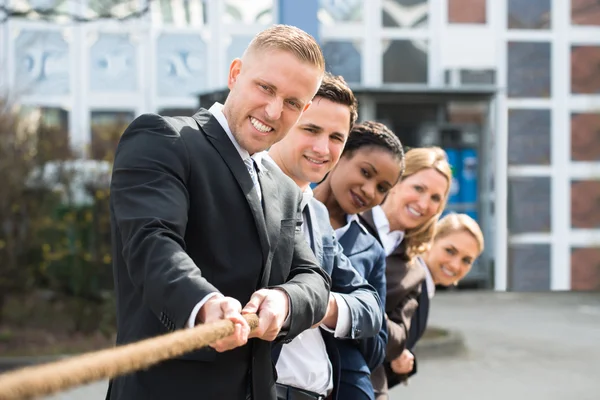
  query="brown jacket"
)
[{"x": 403, "y": 289}]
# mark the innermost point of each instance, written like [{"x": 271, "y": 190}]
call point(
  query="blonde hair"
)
[
  {"x": 417, "y": 240},
  {"x": 453, "y": 223},
  {"x": 291, "y": 39}
]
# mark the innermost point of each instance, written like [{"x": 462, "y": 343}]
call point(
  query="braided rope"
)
[{"x": 41, "y": 380}]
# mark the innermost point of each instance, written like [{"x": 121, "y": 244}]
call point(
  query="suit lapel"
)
[
  {"x": 221, "y": 142},
  {"x": 272, "y": 213},
  {"x": 317, "y": 243}
]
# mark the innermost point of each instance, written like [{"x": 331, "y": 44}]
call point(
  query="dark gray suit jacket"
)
[{"x": 186, "y": 222}]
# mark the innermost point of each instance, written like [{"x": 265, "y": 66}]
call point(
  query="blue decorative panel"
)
[
  {"x": 42, "y": 63},
  {"x": 113, "y": 64},
  {"x": 237, "y": 46},
  {"x": 343, "y": 58},
  {"x": 182, "y": 65}
]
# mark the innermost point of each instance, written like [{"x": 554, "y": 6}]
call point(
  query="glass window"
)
[
  {"x": 42, "y": 62},
  {"x": 529, "y": 202},
  {"x": 585, "y": 69},
  {"x": 180, "y": 13},
  {"x": 408, "y": 14},
  {"x": 529, "y": 14},
  {"x": 181, "y": 64},
  {"x": 113, "y": 66},
  {"x": 248, "y": 12},
  {"x": 585, "y": 268},
  {"x": 467, "y": 11},
  {"x": 529, "y": 69},
  {"x": 585, "y": 12},
  {"x": 585, "y": 204},
  {"x": 344, "y": 58},
  {"x": 529, "y": 267},
  {"x": 585, "y": 137},
  {"x": 529, "y": 137},
  {"x": 107, "y": 128},
  {"x": 116, "y": 8},
  {"x": 340, "y": 11},
  {"x": 59, "y": 6},
  {"x": 52, "y": 127},
  {"x": 405, "y": 61}
]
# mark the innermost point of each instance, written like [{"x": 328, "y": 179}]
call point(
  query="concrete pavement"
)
[{"x": 521, "y": 346}]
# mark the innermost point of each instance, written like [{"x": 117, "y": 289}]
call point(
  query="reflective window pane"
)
[
  {"x": 529, "y": 137},
  {"x": 51, "y": 125},
  {"x": 344, "y": 58},
  {"x": 529, "y": 267},
  {"x": 529, "y": 202},
  {"x": 405, "y": 61},
  {"x": 585, "y": 137},
  {"x": 408, "y": 14},
  {"x": 180, "y": 13},
  {"x": 585, "y": 268},
  {"x": 107, "y": 128},
  {"x": 585, "y": 69},
  {"x": 64, "y": 7},
  {"x": 529, "y": 69},
  {"x": 248, "y": 12},
  {"x": 529, "y": 14},
  {"x": 585, "y": 204},
  {"x": 585, "y": 12},
  {"x": 339, "y": 11},
  {"x": 116, "y": 8},
  {"x": 467, "y": 11}
]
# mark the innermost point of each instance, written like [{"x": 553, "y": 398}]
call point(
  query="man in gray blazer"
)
[
  {"x": 201, "y": 227},
  {"x": 309, "y": 366}
]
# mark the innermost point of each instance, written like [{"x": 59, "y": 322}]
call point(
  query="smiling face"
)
[
  {"x": 269, "y": 91},
  {"x": 416, "y": 199},
  {"x": 450, "y": 257},
  {"x": 314, "y": 145},
  {"x": 363, "y": 178}
]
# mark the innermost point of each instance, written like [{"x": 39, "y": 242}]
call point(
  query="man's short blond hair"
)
[{"x": 291, "y": 39}]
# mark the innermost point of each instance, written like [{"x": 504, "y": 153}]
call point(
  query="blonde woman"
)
[
  {"x": 405, "y": 224},
  {"x": 458, "y": 241}
]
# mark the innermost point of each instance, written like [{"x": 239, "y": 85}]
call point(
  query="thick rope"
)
[{"x": 42, "y": 380}]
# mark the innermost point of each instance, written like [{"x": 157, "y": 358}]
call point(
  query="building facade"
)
[{"x": 513, "y": 85}]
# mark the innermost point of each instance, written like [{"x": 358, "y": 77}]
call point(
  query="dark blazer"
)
[
  {"x": 403, "y": 284},
  {"x": 186, "y": 222},
  {"x": 363, "y": 300},
  {"x": 358, "y": 358}
]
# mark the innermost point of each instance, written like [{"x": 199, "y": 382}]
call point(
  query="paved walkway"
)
[{"x": 519, "y": 347}]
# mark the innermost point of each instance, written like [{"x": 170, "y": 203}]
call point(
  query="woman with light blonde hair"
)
[
  {"x": 405, "y": 225},
  {"x": 457, "y": 242}
]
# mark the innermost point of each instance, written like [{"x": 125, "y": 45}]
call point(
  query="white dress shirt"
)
[
  {"x": 217, "y": 111},
  {"x": 304, "y": 363},
  {"x": 390, "y": 240},
  {"x": 428, "y": 278}
]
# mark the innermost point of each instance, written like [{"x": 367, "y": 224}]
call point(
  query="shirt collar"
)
[
  {"x": 217, "y": 111},
  {"x": 307, "y": 195},
  {"x": 428, "y": 278},
  {"x": 382, "y": 224}
]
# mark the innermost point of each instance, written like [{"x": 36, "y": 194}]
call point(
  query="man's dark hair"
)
[
  {"x": 374, "y": 134},
  {"x": 335, "y": 89}
]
